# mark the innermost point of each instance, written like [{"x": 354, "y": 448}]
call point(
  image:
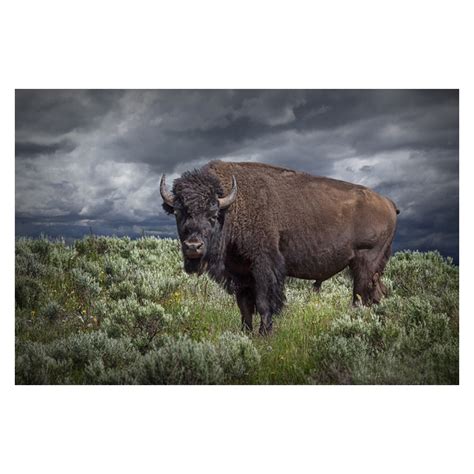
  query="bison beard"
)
[{"x": 279, "y": 223}]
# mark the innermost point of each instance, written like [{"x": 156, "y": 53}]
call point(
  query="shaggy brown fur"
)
[{"x": 283, "y": 223}]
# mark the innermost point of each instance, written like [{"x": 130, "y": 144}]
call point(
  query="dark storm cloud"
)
[
  {"x": 31, "y": 149},
  {"x": 56, "y": 112},
  {"x": 93, "y": 158},
  {"x": 180, "y": 127}
]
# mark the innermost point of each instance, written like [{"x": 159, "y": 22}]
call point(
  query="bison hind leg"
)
[
  {"x": 367, "y": 268},
  {"x": 317, "y": 286}
]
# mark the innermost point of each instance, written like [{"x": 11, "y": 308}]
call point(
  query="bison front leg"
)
[
  {"x": 269, "y": 278},
  {"x": 266, "y": 317},
  {"x": 246, "y": 302}
]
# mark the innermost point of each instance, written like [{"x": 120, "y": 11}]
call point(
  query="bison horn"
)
[
  {"x": 230, "y": 198},
  {"x": 165, "y": 194}
]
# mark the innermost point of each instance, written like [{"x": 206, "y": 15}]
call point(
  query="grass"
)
[{"x": 114, "y": 311}]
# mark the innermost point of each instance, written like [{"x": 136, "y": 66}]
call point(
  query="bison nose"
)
[{"x": 193, "y": 245}]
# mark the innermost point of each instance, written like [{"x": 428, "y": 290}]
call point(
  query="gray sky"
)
[{"x": 94, "y": 158}]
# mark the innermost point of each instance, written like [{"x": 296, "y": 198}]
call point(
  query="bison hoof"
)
[
  {"x": 357, "y": 301},
  {"x": 265, "y": 330},
  {"x": 247, "y": 329}
]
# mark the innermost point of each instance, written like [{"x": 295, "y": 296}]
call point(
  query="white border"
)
[{"x": 247, "y": 44}]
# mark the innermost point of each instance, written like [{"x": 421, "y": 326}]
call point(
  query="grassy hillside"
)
[{"x": 115, "y": 311}]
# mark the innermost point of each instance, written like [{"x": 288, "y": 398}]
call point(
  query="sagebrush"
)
[{"x": 111, "y": 310}]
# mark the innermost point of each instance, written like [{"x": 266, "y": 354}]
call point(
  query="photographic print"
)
[{"x": 255, "y": 237}]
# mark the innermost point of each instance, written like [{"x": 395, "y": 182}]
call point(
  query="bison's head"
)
[{"x": 198, "y": 203}]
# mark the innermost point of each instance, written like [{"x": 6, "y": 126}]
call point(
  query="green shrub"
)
[
  {"x": 86, "y": 285},
  {"x": 96, "y": 358},
  {"x": 28, "y": 264},
  {"x": 51, "y": 311},
  {"x": 393, "y": 347},
  {"x": 114, "y": 310},
  {"x": 93, "y": 268},
  {"x": 33, "y": 366},
  {"x": 238, "y": 357},
  {"x": 82, "y": 358},
  {"x": 122, "y": 290},
  {"x": 416, "y": 273},
  {"x": 41, "y": 247},
  {"x": 184, "y": 361},
  {"x": 116, "y": 268},
  {"x": 128, "y": 317},
  {"x": 28, "y": 292}
]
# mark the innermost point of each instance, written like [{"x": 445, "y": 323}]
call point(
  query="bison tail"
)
[{"x": 395, "y": 207}]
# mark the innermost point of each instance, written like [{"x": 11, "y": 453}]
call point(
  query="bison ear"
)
[{"x": 230, "y": 198}]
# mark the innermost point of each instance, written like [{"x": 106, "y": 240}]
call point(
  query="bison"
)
[{"x": 251, "y": 225}]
